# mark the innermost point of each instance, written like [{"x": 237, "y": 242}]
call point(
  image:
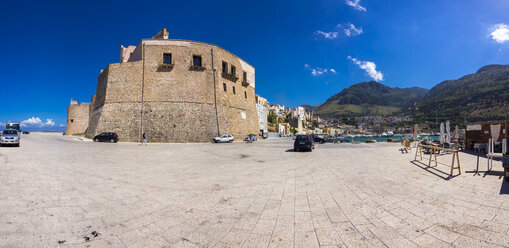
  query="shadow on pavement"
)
[
  {"x": 504, "y": 189},
  {"x": 433, "y": 170}
]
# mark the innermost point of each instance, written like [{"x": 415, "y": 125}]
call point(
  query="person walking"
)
[{"x": 143, "y": 139}]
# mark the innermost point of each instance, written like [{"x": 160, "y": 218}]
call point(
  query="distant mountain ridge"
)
[
  {"x": 479, "y": 96},
  {"x": 369, "y": 98}
]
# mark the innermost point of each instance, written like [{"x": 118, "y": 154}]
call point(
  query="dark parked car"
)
[
  {"x": 303, "y": 142},
  {"x": 319, "y": 139},
  {"x": 26, "y": 132},
  {"x": 106, "y": 137}
]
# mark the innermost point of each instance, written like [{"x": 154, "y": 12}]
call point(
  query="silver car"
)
[{"x": 10, "y": 137}]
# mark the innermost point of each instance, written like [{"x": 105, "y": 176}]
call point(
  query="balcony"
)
[
  {"x": 229, "y": 77},
  {"x": 245, "y": 83},
  {"x": 166, "y": 66},
  {"x": 196, "y": 68}
]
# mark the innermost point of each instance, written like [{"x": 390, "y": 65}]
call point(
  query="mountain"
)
[
  {"x": 308, "y": 107},
  {"x": 480, "y": 96},
  {"x": 369, "y": 98}
]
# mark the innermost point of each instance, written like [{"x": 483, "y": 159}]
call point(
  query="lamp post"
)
[{"x": 142, "y": 90}]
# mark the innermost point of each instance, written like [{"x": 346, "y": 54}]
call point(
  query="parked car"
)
[
  {"x": 304, "y": 142},
  {"x": 106, "y": 137},
  {"x": 10, "y": 137},
  {"x": 13, "y": 125},
  {"x": 225, "y": 138},
  {"x": 320, "y": 140},
  {"x": 26, "y": 132}
]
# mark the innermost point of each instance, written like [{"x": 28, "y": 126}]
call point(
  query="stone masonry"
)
[
  {"x": 77, "y": 118},
  {"x": 182, "y": 102}
]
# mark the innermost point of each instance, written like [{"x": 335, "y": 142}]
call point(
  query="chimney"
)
[{"x": 163, "y": 34}]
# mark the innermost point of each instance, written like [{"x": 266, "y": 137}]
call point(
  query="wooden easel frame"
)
[{"x": 433, "y": 151}]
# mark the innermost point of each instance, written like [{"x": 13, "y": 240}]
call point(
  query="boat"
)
[
  {"x": 384, "y": 134},
  {"x": 390, "y": 133}
]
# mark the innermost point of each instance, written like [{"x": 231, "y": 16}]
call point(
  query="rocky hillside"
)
[
  {"x": 369, "y": 98},
  {"x": 480, "y": 96}
]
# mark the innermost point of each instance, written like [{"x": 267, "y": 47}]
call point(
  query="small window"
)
[
  {"x": 234, "y": 90},
  {"x": 244, "y": 77},
  {"x": 233, "y": 72},
  {"x": 72, "y": 120},
  {"x": 225, "y": 67},
  {"x": 224, "y": 87},
  {"x": 197, "y": 60},
  {"x": 167, "y": 58},
  {"x": 245, "y": 94}
]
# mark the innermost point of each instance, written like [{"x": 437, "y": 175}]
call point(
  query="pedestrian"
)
[{"x": 143, "y": 139}]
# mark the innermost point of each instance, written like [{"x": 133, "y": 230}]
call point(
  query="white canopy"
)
[
  {"x": 448, "y": 130},
  {"x": 495, "y": 132},
  {"x": 442, "y": 138}
]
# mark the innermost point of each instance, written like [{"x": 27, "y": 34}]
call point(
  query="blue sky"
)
[{"x": 53, "y": 51}]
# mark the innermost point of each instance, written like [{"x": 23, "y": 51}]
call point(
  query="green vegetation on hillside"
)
[
  {"x": 369, "y": 98},
  {"x": 481, "y": 96}
]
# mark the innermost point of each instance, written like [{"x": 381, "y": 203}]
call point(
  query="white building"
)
[{"x": 262, "y": 108}]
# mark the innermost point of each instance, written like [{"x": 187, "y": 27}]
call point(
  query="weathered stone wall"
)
[
  {"x": 77, "y": 118},
  {"x": 179, "y": 103}
]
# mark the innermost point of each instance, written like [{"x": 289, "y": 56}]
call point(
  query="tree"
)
[
  {"x": 293, "y": 130},
  {"x": 315, "y": 124},
  {"x": 272, "y": 117}
]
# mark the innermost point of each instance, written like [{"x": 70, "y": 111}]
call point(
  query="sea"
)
[{"x": 384, "y": 139}]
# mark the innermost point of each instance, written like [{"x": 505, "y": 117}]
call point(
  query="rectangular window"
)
[
  {"x": 197, "y": 60},
  {"x": 233, "y": 72},
  {"x": 234, "y": 90},
  {"x": 225, "y": 67},
  {"x": 245, "y": 94},
  {"x": 244, "y": 77},
  {"x": 167, "y": 58},
  {"x": 224, "y": 87}
]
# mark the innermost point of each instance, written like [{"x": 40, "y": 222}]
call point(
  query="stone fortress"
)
[{"x": 171, "y": 90}]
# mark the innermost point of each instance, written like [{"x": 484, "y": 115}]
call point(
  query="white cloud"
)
[
  {"x": 500, "y": 33},
  {"x": 36, "y": 121},
  {"x": 49, "y": 122},
  {"x": 319, "y": 71},
  {"x": 355, "y": 4},
  {"x": 328, "y": 35},
  {"x": 350, "y": 29},
  {"x": 31, "y": 121},
  {"x": 369, "y": 67}
]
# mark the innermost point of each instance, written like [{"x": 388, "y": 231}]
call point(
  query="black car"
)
[
  {"x": 106, "y": 137},
  {"x": 319, "y": 139},
  {"x": 303, "y": 142}
]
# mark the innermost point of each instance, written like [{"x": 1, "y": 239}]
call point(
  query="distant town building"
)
[
  {"x": 262, "y": 108},
  {"x": 284, "y": 128},
  {"x": 173, "y": 91}
]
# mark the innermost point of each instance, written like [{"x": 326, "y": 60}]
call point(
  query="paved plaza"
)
[{"x": 58, "y": 191}]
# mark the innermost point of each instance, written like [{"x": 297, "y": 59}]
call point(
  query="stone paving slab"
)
[{"x": 59, "y": 191}]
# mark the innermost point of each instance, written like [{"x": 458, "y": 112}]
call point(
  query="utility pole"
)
[
  {"x": 215, "y": 95},
  {"x": 142, "y": 90}
]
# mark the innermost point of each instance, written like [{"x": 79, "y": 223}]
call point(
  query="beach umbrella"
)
[
  {"x": 442, "y": 133},
  {"x": 448, "y": 130},
  {"x": 415, "y": 136},
  {"x": 456, "y": 132}
]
